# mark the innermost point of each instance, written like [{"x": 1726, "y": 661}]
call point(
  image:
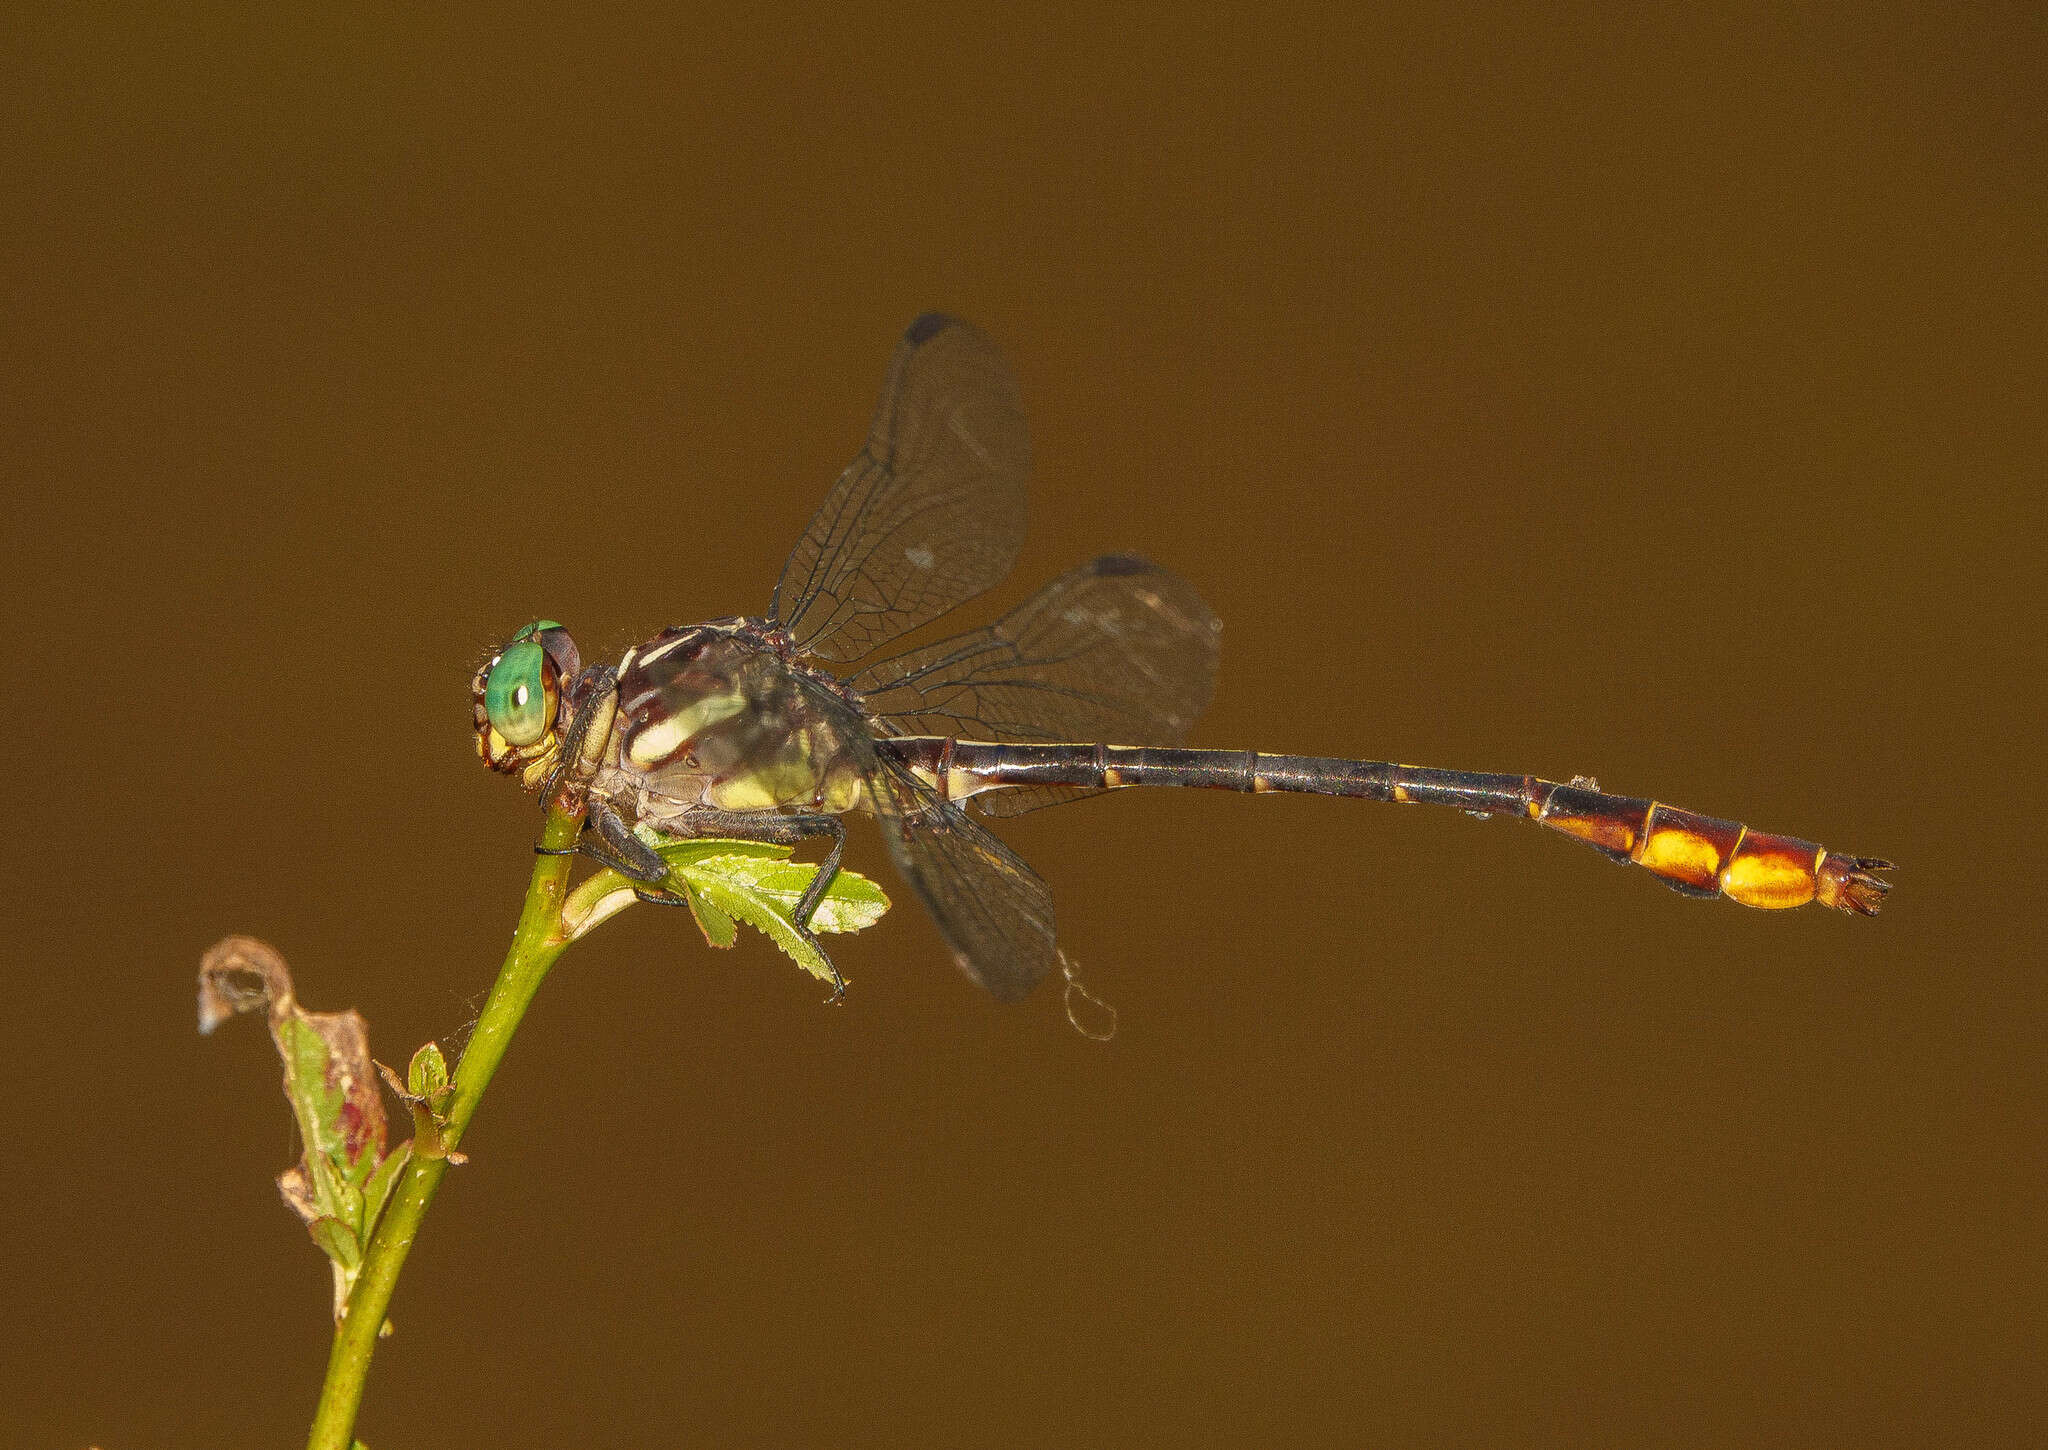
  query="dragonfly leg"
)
[
  {"x": 617, "y": 847},
  {"x": 575, "y": 850},
  {"x": 828, "y": 869},
  {"x": 799, "y": 828},
  {"x": 587, "y": 695}
]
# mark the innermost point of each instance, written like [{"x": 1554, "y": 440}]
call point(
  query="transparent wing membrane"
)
[
  {"x": 993, "y": 910},
  {"x": 1117, "y": 649},
  {"x": 931, "y": 511}
]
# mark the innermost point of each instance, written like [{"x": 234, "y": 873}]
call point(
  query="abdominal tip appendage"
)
[{"x": 1847, "y": 883}]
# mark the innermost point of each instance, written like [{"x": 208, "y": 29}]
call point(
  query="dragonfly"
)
[{"x": 745, "y": 728}]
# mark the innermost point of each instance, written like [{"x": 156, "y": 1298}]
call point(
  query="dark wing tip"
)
[
  {"x": 928, "y": 326},
  {"x": 1116, "y": 564},
  {"x": 1011, "y": 984}
]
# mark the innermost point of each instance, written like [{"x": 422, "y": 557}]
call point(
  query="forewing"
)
[
  {"x": 993, "y": 910},
  {"x": 930, "y": 512}
]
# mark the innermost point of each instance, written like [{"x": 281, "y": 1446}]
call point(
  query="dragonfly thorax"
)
[{"x": 716, "y": 715}]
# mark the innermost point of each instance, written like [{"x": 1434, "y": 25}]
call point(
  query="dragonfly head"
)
[{"x": 517, "y": 700}]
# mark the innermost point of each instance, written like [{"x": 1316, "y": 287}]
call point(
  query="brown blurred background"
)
[{"x": 1656, "y": 401}]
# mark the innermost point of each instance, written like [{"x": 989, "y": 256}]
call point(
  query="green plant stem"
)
[{"x": 535, "y": 945}]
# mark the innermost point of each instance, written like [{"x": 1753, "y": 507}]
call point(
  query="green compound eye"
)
[{"x": 518, "y": 697}]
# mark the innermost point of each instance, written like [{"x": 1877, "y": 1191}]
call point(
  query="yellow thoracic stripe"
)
[{"x": 658, "y": 741}]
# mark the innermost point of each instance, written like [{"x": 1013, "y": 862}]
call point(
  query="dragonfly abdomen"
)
[
  {"x": 1708, "y": 856},
  {"x": 1692, "y": 853}
]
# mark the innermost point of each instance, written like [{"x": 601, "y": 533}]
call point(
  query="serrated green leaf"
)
[
  {"x": 338, "y": 1241},
  {"x": 727, "y": 882},
  {"x": 719, "y": 929},
  {"x": 736, "y": 899},
  {"x": 762, "y": 890},
  {"x": 851, "y": 902}
]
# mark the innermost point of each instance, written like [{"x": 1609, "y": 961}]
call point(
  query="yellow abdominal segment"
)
[{"x": 1685, "y": 855}]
